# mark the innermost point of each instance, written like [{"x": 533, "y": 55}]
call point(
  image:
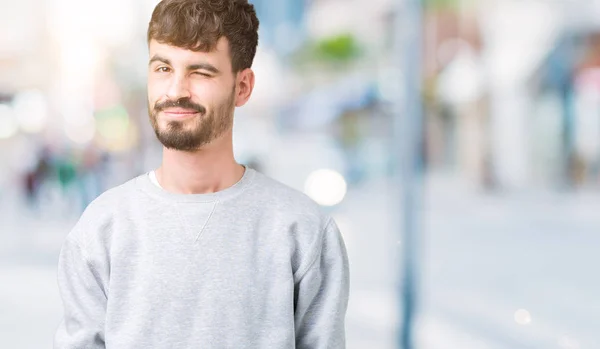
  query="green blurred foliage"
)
[
  {"x": 337, "y": 52},
  {"x": 337, "y": 48}
]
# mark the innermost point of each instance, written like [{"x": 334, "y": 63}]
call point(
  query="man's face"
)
[{"x": 191, "y": 95}]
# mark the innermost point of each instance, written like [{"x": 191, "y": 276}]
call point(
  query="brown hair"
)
[{"x": 197, "y": 25}]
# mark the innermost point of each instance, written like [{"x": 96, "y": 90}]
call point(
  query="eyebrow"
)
[
  {"x": 203, "y": 66},
  {"x": 157, "y": 58},
  {"x": 198, "y": 66}
]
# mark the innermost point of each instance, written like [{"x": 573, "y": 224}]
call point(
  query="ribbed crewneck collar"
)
[{"x": 144, "y": 183}]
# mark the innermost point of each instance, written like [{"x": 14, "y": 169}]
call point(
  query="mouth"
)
[{"x": 180, "y": 113}]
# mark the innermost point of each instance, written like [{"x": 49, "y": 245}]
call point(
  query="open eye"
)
[{"x": 163, "y": 69}]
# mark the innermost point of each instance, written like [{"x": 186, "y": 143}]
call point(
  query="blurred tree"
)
[
  {"x": 337, "y": 48},
  {"x": 337, "y": 53}
]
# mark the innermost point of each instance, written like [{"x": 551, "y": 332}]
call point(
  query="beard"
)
[{"x": 202, "y": 130}]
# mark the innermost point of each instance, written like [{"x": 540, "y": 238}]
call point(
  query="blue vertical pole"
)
[
  {"x": 408, "y": 134},
  {"x": 568, "y": 131}
]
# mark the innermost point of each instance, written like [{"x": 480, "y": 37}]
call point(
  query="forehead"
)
[{"x": 219, "y": 56}]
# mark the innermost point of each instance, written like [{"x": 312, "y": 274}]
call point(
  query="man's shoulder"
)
[
  {"x": 282, "y": 196},
  {"x": 99, "y": 214},
  {"x": 114, "y": 196}
]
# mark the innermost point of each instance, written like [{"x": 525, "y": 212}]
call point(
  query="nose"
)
[{"x": 179, "y": 88}]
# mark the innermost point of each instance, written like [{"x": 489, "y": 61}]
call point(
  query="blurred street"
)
[
  {"x": 511, "y": 271},
  {"x": 496, "y": 104},
  {"x": 485, "y": 258}
]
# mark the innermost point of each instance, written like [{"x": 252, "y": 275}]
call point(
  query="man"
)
[{"x": 203, "y": 252}]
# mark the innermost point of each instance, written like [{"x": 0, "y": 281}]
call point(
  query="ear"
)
[{"x": 245, "y": 85}]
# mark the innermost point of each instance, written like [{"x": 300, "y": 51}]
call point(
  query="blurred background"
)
[{"x": 501, "y": 202}]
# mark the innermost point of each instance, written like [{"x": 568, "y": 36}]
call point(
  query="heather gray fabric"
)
[{"x": 256, "y": 265}]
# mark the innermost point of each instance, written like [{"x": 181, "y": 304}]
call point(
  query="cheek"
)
[
  {"x": 156, "y": 88},
  {"x": 210, "y": 93},
  {"x": 202, "y": 90}
]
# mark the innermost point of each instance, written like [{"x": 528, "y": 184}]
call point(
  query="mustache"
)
[{"x": 185, "y": 103}]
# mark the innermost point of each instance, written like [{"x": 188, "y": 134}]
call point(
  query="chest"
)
[{"x": 179, "y": 257}]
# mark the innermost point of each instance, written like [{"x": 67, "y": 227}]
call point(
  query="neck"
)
[{"x": 207, "y": 170}]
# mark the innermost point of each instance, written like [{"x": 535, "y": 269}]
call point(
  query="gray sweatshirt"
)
[{"x": 256, "y": 265}]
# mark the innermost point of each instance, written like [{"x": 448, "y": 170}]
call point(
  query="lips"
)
[{"x": 179, "y": 113}]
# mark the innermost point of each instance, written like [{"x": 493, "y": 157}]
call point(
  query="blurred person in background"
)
[
  {"x": 34, "y": 178},
  {"x": 67, "y": 173},
  {"x": 203, "y": 252}
]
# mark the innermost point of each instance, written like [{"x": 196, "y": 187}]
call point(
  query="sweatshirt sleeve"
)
[
  {"x": 321, "y": 294},
  {"x": 84, "y": 300}
]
